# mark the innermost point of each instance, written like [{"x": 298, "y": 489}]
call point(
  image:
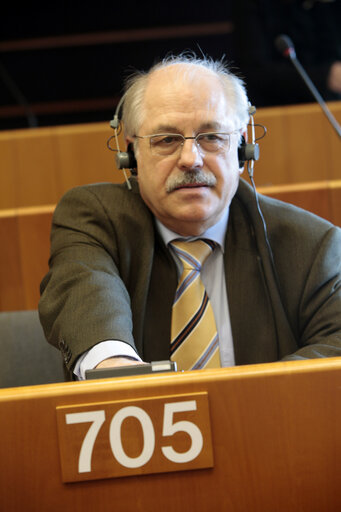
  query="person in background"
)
[{"x": 313, "y": 26}]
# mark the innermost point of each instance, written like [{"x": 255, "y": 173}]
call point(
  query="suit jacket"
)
[{"x": 111, "y": 277}]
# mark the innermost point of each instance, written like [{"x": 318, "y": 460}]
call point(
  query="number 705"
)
[{"x": 169, "y": 428}]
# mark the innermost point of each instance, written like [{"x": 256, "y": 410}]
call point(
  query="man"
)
[{"x": 114, "y": 269}]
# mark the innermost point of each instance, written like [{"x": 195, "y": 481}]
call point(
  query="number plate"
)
[{"x": 123, "y": 438}]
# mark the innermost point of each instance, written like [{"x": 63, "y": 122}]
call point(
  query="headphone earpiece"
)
[
  {"x": 247, "y": 152},
  {"x": 126, "y": 159}
]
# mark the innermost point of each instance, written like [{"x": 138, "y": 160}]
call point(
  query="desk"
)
[{"x": 275, "y": 432}]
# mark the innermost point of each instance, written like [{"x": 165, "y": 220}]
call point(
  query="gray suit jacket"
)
[{"x": 111, "y": 277}]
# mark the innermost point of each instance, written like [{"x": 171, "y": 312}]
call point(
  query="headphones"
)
[
  {"x": 124, "y": 159},
  {"x": 247, "y": 152}
]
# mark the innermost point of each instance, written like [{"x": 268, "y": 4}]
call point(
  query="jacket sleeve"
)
[
  {"x": 319, "y": 312},
  {"x": 86, "y": 295}
]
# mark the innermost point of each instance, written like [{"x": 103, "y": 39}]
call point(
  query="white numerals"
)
[
  {"x": 169, "y": 428},
  {"x": 97, "y": 418},
  {"x": 116, "y": 439}
]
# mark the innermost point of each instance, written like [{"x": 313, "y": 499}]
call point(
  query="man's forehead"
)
[
  {"x": 172, "y": 99},
  {"x": 214, "y": 126},
  {"x": 181, "y": 70},
  {"x": 175, "y": 77}
]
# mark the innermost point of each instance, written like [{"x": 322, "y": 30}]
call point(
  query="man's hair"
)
[{"x": 136, "y": 84}]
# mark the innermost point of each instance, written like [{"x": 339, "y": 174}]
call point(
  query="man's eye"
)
[
  {"x": 169, "y": 140},
  {"x": 166, "y": 140},
  {"x": 211, "y": 137}
]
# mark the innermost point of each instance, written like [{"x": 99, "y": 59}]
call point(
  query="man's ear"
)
[{"x": 129, "y": 140}]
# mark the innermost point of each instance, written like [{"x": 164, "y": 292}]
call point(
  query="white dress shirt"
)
[{"x": 213, "y": 277}]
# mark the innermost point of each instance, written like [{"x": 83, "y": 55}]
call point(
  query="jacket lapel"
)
[
  {"x": 259, "y": 318},
  {"x": 252, "y": 323},
  {"x": 163, "y": 283}
]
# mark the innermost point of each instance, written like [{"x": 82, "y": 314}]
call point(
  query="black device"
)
[
  {"x": 126, "y": 159},
  {"x": 134, "y": 369}
]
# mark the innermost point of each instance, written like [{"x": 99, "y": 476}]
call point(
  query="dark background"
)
[{"x": 49, "y": 77}]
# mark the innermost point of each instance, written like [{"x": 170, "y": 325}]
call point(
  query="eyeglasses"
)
[{"x": 164, "y": 144}]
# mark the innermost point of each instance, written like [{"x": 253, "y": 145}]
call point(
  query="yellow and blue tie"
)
[{"x": 194, "y": 337}]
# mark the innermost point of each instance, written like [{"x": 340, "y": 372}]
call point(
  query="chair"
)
[{"x": 25, "y": 356}]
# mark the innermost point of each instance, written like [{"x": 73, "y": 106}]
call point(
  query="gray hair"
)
[{"x": 135, "y": 86}]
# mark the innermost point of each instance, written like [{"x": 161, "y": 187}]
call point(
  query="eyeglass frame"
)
[{"x": 184, "y": 140}]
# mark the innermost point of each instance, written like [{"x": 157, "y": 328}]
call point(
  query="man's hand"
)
[{"x": 113, "y": 362}]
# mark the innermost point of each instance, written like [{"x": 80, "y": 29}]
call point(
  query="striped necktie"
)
[{"x": 194, "y": 337}]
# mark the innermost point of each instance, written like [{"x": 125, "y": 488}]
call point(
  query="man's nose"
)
[{"x": 190, "y": 155}]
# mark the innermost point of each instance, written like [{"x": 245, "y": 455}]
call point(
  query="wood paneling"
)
[
  {"x": 8, "y": 166},
  {"x": 39, "y": 165},
  {"x": 335, "y": 195},
  {"x": 300, "y": 145},
  {"x": 11, "y": 278},
  {"x": 84, "y": 156},
  {"x": 320, "y": 197},
  {"x": 25, "y": 236}
]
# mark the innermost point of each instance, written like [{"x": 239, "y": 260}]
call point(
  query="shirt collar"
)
[{"x": 216, "y": 233}]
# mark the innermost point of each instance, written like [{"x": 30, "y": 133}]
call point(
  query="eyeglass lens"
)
[{"x": 167, "y": 144}]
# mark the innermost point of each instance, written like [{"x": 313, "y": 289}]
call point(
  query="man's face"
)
[{"x": 174, "y": 105}]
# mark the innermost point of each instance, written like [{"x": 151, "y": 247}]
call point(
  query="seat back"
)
[{"x": 26, "y": 358}]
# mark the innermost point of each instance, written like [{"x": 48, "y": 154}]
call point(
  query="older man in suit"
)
[{"x": 117, "y": 268}]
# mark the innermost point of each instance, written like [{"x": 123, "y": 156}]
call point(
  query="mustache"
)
[{"x": 200, "y": 177}]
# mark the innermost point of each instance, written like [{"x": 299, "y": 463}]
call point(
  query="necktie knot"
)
[{"x": 193, "y": 254}]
